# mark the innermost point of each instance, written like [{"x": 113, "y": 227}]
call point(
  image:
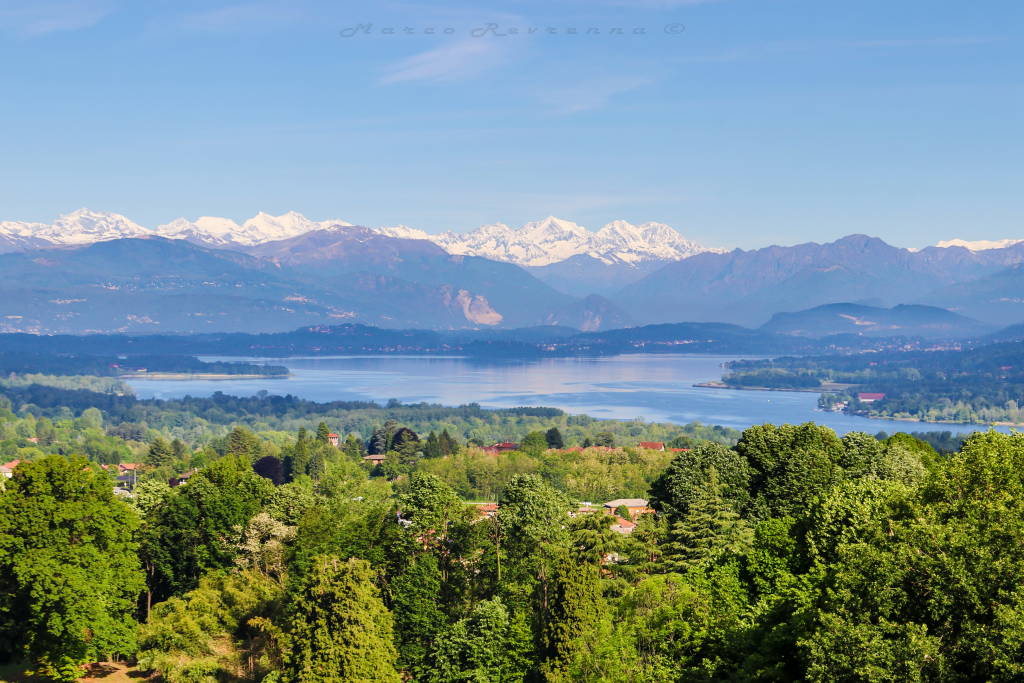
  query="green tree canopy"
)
[
  {"x": 338, "y": 629},
  {"x": 686, "y": 477},
  {"x": 69, "y": 567}
]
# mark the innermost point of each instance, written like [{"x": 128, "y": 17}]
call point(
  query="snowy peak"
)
[
  {"x": 537, "y": 243},
  {"x": 71, "y": 229},
  {"x": 541, "y": 243},
  {"x": 207, "y": 230},
  {"x": 553, "y": 229},
  {"x": 261, "y": 228},
  {"x": 404, "y": 232},
  {"x": 979, "y": 245},
  {"x": 86, "y": 227}
]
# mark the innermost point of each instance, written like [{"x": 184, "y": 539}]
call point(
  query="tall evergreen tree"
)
[
  {"x": 180, "y": 450},
  {"x": 432, "y": 447},
  {"x": 403, "y": 438},
  {"x": 418, "y": 615},
  {"x": 592, "y": 537},
  {"x": 380, "y": 442},
  {"x": 322, "y": 433},
  {"x": 554, "y": 438},
  {"x": 475, "y": 648},
  {"x": 710, "y": 527},
  {"x": 160, "y": 453},
  {"x": 449, "y": 446},
  {"x": 45, "y": 431},
  {"x": 354, "y": 447},
  {"x": 338, "y": 629},
  {"x": 317, "y": 464},
  {"x": 243, "y": 443},
  {"x": 572, "y": 612},
  {"x": 302, "y": 452}
]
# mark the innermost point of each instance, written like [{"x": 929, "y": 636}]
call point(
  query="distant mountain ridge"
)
[
  {"x": 154, "y": 284},
  {"x": 748, "y": 287},
  {"x": 927, "y": 322},
  {"x": 537, "y": 243},
  {"x": 979, "y": 245},
  {"x": 541, "y": 243},
  {"x": 91, "y": 271}
]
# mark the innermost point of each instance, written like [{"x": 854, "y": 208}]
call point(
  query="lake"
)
[{"x": 652, "y": 387}]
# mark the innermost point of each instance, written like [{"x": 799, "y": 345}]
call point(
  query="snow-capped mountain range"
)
[
  {"x": 541, "y": 243},
  {"x": 979, "y": 245},
  {"x": 260, "y": 229},
  {"x": 537, "y": 243},
  {"x": 87, "y": 227}
]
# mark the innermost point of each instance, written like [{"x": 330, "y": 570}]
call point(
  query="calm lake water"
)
[{"x": 648, "y": 386}]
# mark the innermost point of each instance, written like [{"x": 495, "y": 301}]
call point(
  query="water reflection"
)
[{"x": 649, "y": 386}]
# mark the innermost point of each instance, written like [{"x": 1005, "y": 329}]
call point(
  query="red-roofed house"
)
[
  {"x": 622, "y": 526},
  {"x": 652, "y": 445},
  {"x": 636, "y": 506},
  {"x": 869, "y": 397},
  {"x": 501, "y": 448},
  {"x": 7, "y": 469},
  {"x": 333, "y": 438},
  {"x": 487, "y": 510}
]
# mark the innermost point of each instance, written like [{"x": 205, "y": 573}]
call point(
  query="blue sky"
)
[{"x": 739, "y": 122}]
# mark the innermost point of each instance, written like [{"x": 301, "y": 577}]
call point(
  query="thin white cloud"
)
[
  {"x": 452, "y": 62},
  {"x": 246, "y": 16},
  {"x": 592, "y": 94},
  {"x": 39, "y": 17}
]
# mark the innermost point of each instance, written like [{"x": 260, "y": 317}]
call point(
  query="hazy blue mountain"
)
[
  {"x": 351, "y": 338},
  {"x": 903, "y": 320},
  {"x": 353, "y": 274},
  {"x": 583, "y": 274},
  {"x": 1012, "y": 333},
  {"x": 589, "y": 314},
  {"x": 486, "y": 292},
  {"x": 748, "y": 287},
  {"x": 154, "y": 284},
  {"x": 997, "y": 298}
]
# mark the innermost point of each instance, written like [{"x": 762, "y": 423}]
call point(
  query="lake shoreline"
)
[
  {"x": 212, "y": 376},
  {"x": 830, "y": 387},
  {"x": 650, "y": 387},
  {"x": 823, "y": 389}
]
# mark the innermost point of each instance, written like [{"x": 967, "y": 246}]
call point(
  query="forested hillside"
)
[{"x": 782, "y": 553}]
